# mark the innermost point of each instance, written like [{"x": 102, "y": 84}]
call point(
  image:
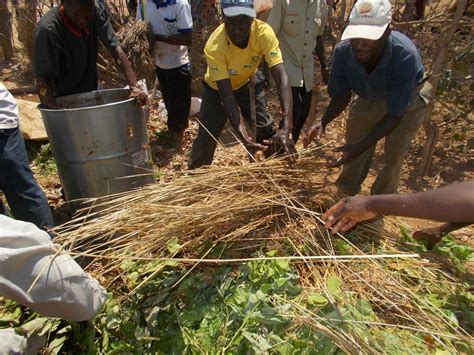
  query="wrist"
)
[{"x": 373, "y": 204}]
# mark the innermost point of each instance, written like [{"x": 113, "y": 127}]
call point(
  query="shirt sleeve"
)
[
  {"x": 275, "y": 18},
  {"x": 105, "y": 30},
  {"x": 60, "y": 288},
  {"x": 270, "y": 47},
  {"x": 323, "y": 9},
  {"x": 46, "y": 52},
  {"x": 183, "y": 17},
  {"x": 338, "y": 84},
  {"x": 402, "y": 85},
  {"x": 216, "y": 62}
]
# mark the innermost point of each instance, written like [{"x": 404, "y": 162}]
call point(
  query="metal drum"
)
[{"x": 100, "y": 143}]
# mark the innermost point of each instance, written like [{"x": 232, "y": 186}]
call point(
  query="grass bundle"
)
[
  {"x": 235, "y": 212},
  {"x": 135, "y": 44}
]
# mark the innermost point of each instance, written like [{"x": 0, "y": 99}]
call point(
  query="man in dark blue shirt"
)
[{"x": 383, "y": 68}]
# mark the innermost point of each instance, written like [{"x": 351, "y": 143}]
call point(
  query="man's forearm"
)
[
  {"x": 453, "y": 203},
  {"x": 320, "y": 51},
  {"x": 46, "y": 91},
  {"x": 382, "y": 129},
  {"x": 231, "y": 109},
  {"x": 284, "y": 94},
  {"x": 335, "y": 107},
  {"x": 125, "y": 66},
  {"x": 180, "y": 39}
]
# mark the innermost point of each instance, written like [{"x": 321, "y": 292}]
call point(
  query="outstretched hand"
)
[
  {"x": 349, "y": 153},
  {"x": 316, "y": 130},
  {"x": 283, "y": 139},
  {"x": 429, "y": 235},
  {"x": 347, "y": 213}
]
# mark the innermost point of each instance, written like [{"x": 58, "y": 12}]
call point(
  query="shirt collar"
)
[
  {"x": 75, "y": 30},
  {"x": 384, "y": 59}
]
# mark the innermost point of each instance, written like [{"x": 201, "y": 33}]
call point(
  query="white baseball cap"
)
[
  {"x": 369, "y": 19},
  {"x": 232, "y": 8}
]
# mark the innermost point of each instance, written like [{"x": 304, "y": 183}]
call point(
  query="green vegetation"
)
[{"x": 256, "y": 307}]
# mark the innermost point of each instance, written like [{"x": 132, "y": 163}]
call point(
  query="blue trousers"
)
[{"x": 24, "y": 196}]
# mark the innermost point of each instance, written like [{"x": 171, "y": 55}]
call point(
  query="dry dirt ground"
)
[{"x": 452, "y": 161}]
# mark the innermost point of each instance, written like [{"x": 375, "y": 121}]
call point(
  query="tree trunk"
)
[
  {"x": 6, "y": 33},
  {"x": 26, "y": 26},
  {"x": 430, "y": 127}
]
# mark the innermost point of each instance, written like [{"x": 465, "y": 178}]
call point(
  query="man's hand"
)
[
  {"x": 325, "y": 75},
  {"x": 316, "y": 130},
  {"x": 139, "y": 95},
  {"x": 349, "y": 153},
  {"x": 253, "y": 147},
  {"x": 283, "y": 139},
  {"x": 430, "y": 235},
  {"x": 347, "y": 213}
]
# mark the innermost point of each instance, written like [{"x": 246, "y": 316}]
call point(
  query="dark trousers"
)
[
  {"x": 213, "y": 118},
  {"x": 301, "y": 107},
  {"x": 175, "y": 85},
  {"x": 24, "y": 196}
]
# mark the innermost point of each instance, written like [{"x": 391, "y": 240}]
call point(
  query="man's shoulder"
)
[
  {"x": 401, "y": 43},
  {"x": 342, "y": 49},
  {"x": 51, "y": 21},
  {"x": 263, "y": 29},
  {"x": 216, "y": 41}
]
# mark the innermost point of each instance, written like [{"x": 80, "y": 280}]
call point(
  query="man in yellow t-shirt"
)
[{"x": 233, "y": 52}]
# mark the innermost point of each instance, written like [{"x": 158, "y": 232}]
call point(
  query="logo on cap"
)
[{"x": 365, "y": 9}]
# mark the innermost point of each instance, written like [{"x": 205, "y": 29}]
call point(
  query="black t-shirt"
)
[{"x": 67, "y": 54}]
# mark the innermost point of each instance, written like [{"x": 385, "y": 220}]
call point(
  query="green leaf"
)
[
  {"x": 316, "y": 299},
  {"x": 34, "y": 326},
  {"x": 283, "y": 264},
  {"x": 280, "y": 281},
  {"x": 271, "y": 253},
  {"x": 173, "y": 246},
  {"x": 343, "y": 247},
  {"x": 55, "y": 346},
  {"x": 241, "y": 295},
  {"x": 333, "y": 284},
  {"x": 259, "y": 343}
]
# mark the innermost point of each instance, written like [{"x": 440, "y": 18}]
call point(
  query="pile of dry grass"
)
[
  {"x": 267, "y": 205},
  {"x": 136, "y": 46}
]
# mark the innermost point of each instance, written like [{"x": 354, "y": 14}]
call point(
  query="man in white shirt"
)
[
  {"x": 299, "y": 26},
  {"x": 172, "y": 24},
  {"x": 25, "y": 198}
]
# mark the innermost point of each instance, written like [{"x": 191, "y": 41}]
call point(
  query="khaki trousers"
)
[{"x": 363, "y": 117}]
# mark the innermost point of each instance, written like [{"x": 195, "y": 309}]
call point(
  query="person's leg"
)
[
  {"x": 264, "y": 120},
  {"x": 164, "y": 86},
  {"x": 212, "y": 120},
  {"x": 398, "y": 142},
  {"x": 361, "y": 121},
  {"x": 177, "y": 97},
  {"x": 24, "y": 196},
  {"x": 302, "y": 112}
]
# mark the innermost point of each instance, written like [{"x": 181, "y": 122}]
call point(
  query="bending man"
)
[
  {"x": 233, "y": 52},
  {"x": 384, "y": 69}
]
